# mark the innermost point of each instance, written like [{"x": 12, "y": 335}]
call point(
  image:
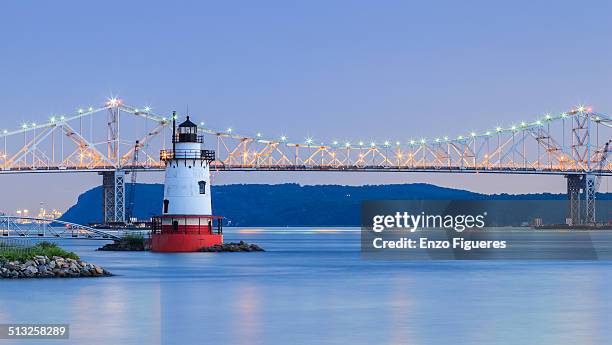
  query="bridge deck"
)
[{"x": 308, "y": 168}]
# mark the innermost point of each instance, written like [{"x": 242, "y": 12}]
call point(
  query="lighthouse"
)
[{"x": 187, "y": 223}]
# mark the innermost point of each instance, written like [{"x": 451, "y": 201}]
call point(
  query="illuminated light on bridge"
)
[
  {"x": 572, "y": 144},
  {"x": 113, "y": 102}
]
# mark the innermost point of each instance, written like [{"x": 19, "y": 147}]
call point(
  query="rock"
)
[
  {"x": 12, "y": 265},
  {"x": 43, "y": 267},
  {"x": 233, "y": 247},
  {"x": 132, "y": 243},
  {"x": 40, "y": 260},
  {"x": 47, "y": 274}
]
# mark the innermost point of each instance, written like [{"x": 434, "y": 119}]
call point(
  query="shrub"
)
[
  {"x": 23, "y": 253},
  {"x": 133, "y": 240}
]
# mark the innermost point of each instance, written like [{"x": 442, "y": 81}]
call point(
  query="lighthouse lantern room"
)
[{"x": 187, "y": 223}]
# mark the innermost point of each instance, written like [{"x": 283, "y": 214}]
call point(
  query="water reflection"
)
[
  {"x": 314, "y": 288},
  {"x": 248, "y": 325}
]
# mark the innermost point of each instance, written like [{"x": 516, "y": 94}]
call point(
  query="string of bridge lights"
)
[{"x": 308, "y": 142}]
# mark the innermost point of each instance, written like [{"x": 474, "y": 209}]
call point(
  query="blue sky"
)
[{"x": 323, "y": 69}]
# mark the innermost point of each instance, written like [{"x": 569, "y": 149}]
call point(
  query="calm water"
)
[{"x": 313, "y": 288}]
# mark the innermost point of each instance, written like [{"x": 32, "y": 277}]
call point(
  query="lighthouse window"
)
[
  {"x": 166, "y": 203},
  {"x": 202, "y": 185}
]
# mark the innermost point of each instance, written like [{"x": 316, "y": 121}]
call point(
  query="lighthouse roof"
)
[{"x": 188, "y": 123}]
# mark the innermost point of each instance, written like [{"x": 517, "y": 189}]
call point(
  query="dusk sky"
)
[{"x": 345, "y": 70}]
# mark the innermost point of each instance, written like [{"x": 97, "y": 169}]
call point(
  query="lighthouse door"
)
[{"x": 175, "y": 225}]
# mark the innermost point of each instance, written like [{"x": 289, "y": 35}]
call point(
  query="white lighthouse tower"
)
[
  {"x": 187, "y": 222},
  {"x": 187, "y": 183}
]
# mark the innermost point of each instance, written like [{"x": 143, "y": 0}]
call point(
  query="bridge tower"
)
[
  {"x": 187, "y": 222},
  {"x": 113, "y": 196},
  {"x": 581, "y": 188},
  {"x": 113, "y": 182},
  {"x": 112, "y": 131}
]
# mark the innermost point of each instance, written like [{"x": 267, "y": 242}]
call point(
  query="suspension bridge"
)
[{"x": 117, "y": 139}]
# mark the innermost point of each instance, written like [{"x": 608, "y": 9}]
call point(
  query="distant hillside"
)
[{"x": 289, "y": 204}]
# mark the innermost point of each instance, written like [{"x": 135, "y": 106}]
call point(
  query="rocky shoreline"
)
[
  {"x": 119, "y": 246},
  {"x": 55, "y": 267},
  {"x": 233, "y": 247},
  {"x": 143, "y": 244}
]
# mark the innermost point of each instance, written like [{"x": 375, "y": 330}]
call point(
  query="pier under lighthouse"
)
[{"x": 186, "y": 223}]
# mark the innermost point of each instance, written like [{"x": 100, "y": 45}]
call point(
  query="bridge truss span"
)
[
  {"x": 547, "y": 146},
  {"x": 105, "y": 139}
]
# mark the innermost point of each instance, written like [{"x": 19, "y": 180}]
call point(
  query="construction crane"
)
[
  {"x": 132, "y": 190},
  {"x": 603, "y": 159}
]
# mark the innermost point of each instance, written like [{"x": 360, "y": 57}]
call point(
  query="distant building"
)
[
  {"x": 53, "y": 214},
  {"x": 538, "y": 222}
]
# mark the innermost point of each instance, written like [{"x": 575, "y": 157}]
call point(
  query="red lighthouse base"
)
[{"x": 176, "y": 233}]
